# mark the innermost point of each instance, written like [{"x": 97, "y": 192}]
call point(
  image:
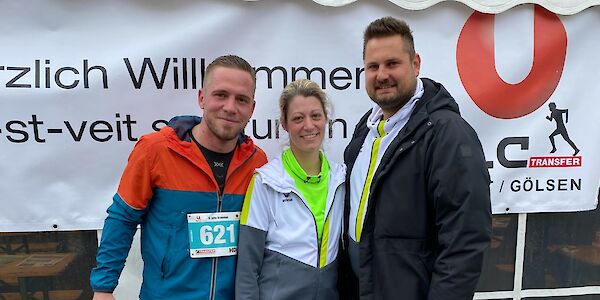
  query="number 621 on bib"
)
[{"x": 213, "y": 234}]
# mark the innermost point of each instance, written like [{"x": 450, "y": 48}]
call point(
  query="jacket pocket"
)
[
  {"x": 269, "y": 277},
  {"x": 410, "y": 260},
  {"x": 416, "y": 248},
  {"x": 276, "y": 283},
  {"x": 164, "y": 265}
]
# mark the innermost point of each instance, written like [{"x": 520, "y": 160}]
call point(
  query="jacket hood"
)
[
  {"x": 182, "y": 125},
  {"x": 176, "y": 134},
  {"x": 274, "y": 175},
  {"x": 438, "y": 98}
]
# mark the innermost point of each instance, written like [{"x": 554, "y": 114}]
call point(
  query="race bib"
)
[{"x": 213, "y": 234}]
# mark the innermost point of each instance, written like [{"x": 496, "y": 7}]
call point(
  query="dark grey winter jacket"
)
[{"x": 428, "y": 220}]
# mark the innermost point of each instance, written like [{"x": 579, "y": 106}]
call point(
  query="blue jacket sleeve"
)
[
  {"x": 126, "y": 212},
  {"x": 117, "y": 235}
]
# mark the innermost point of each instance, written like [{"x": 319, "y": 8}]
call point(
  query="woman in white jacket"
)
[{"x": 292, "y": 215}]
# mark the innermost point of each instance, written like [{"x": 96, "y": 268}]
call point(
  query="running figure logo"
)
[{"x": 556, "y": 115}]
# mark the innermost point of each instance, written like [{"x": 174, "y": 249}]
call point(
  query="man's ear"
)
[
  {"x": 200, "y": 99},
  {"x": 417, "y": 64}
]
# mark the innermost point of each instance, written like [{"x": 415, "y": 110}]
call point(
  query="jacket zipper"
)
[
  {"x": 316, "y": 229},
  {"x": 315, "y": 220},
  {"x": 332, "y": 202},
  {"x": 215, "y": 262},
  {"x": 413, "y": 141}
]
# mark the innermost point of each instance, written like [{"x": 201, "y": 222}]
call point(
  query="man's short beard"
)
[
  {"x": 393, "y": 103},
  {"x": 221, "y": 133}
]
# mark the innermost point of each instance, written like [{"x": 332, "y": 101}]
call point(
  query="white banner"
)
[
  {"x": 487, "y": 6},
  {"x": 81, "y": 81}
]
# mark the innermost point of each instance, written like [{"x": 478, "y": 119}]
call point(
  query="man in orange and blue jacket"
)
[{"x": 184, "y": 186}]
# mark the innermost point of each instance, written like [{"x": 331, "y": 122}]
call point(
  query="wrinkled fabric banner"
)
[{"x": 81, "y": 82}]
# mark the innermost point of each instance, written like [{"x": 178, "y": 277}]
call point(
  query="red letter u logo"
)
[{"x": 477, "y": 70}]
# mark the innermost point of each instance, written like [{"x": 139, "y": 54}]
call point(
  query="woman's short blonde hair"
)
[{"x": 302, "y": 87}]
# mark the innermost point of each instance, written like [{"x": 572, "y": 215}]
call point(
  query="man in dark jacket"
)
[{"x": 418, "y": 203}]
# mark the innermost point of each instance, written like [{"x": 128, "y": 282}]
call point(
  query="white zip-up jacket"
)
[{"x": 279, "y": 256}]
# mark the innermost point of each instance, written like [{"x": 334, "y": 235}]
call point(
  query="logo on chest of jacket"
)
[{"x": 286, "y": 197}]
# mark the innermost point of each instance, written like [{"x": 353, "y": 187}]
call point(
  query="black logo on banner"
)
[{"x": 557, "y": 115}]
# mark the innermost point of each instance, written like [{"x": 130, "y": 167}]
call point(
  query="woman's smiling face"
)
[{"x": 305, "y": 124}]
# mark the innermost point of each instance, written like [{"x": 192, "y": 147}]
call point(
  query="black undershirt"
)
[{"x": 219, "y": 162}]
